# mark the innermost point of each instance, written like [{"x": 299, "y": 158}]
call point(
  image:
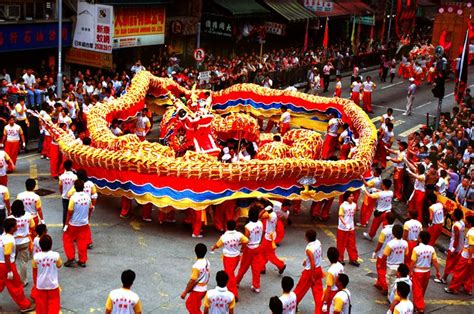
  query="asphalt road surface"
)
[{"x": 162, "y": 255}]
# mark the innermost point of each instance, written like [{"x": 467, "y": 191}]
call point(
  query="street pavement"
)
[{"x": 162, "y": 255}]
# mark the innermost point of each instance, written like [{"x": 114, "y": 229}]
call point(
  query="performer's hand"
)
[
  {"x": 65, "y": 228},
  {"x": 1, "y": 145},
  {"x": 451, "y": 249},
  {"x": 10, "y": 275},
  {"x": 183, "y": 295},
  {"x": 23, "y": 145},
  {"x": 42, "y": 221},
  {"x": 374, "y": 256}
]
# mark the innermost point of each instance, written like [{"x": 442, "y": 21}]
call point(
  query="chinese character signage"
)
[
  {"x": 275, "y": 28},
  {"x": 94, "y": 28},
  {"x": 364, "y": 20},
  {"x": 90, "y": 58},
  {"x": 139, "y": 26},
  {"x": 33, "y": 36},
  {"x": 217, "y": 25},
  {"x": 319, "y": 5}
]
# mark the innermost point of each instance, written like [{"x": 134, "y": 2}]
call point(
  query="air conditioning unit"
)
[{"x": 13, "y": 12}]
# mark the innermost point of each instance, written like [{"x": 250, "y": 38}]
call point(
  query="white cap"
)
[
  {"x": 268, "y": 208},
  {"x": 411, "y": 79}
]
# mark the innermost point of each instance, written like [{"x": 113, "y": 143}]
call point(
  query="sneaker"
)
[
  {"x": 358, "y": 224},
  {"x": 342, "y": 263},
  {"x": 70, "y": 263},
  {"x": 396, "y": 200},
  {"x": 43, "y": 157},
  {"x": 47, "y": 158},
  {"x": 256, "y": 290},
  {"x": 405, "y": 114},
  {"x": 147, "y": 219},
  {"x": 123, "y": 216},
  {"x": 196, "y": 236},
  {"x": 366, "y": 236},
  {"x": 447, "y": 290},
  {"x": 263, "y": 272},
  {"x": 83, "y": 265},
  {"x": 354, "y": 263},
  {"x": 280, "y": 271},
  {"x": 90, "y": 246},
  {"x": 440, "y": 280},
  {"x": 25, "y": 284},
  {"x": 28, "y": 309}
]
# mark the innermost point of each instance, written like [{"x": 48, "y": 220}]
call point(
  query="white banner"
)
[
  {"x": 94, "y": 27},
  {"x": 319, "y": 5}
]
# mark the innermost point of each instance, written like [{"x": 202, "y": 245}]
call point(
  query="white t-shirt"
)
[
  {"x": 5, "y": 239},
  {"x": 285, "y": 117},
  {"x": 335, "y": 270},
  {"x": 438, "y": 213},
  {"x": 29, "y": 199},
  {"x": 12, "y": 132},
  {"x": 80, "y": 214},
  {"x": 315, "y": 248},
  {"x": 47, "y": 264},
  {"x": 255, "y": 230},
  {"x": 424, "y": 255},
  {"x": 219, "y": 300},
  {"x": 232, "y": 243},
  {"x": 397, "y": 249},
  {"x": 384, "y": 237},
  {"x": 368, "y": 86},
  {"x": 344, "y": 297},
  {"x": 142, "y": 123},
  {"x": 3, "y": 190},
  {"x": 384, "y": 202},
  {"x": 404, "y": 307},
  {"x": 414, "y": 228},
  {"x": 22, "y": 233},
  {"x": 3, "y": 164},
  {"x": 270, "y": 226},
  {"x": 333, "y": 126},
  {"x": 289, "y": 303},
  {"x": 67, "y": 180},
  {"x": 202, "y": 267},
  {"x": 346, "y": 213},
  {"x": 460, "y": 226},
  {"x": 123, "y": 301}
]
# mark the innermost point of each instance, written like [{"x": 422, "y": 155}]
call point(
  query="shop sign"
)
[
  {"x": 33, "y": 36},
  {"x": 275, "y": 28},
  {"x": 319, "y": 5},
  {"x": 89, "y": 58},
  {"x": 364, "y": 20},
  {"x": 139, "y": 26},
  {"x": 94, "y": 28},
  {"x": 217, "y": 25}
]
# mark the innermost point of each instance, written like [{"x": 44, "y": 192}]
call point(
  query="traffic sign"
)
[{"x": 199, "y": 54}]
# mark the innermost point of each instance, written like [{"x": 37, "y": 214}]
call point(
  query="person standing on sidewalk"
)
[
  {"x": 12, "y": 135},
  {"x": 422, "y": 258},
  {"x": 124, "y": 300},
  {"x": 327, "y": 74},
  {"x": 410, "y": 97},
  {"x": 312, "y": 275},
  {"x": 197, "y": 285},
  {"x": 382, "y": 207},
  {"x": 346, "y": 232},
  {"x": 232, "y": 242},
  {"x": 252, "y": 256}
]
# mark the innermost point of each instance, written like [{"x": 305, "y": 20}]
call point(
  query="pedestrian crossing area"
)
[{"x": 398, "y": 123}]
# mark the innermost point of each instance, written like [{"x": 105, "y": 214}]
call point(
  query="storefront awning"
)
[
  {"x": 291, "y": 10},
  {"x": 242, "y": 8},
  {"x": 356, "y": 7}
]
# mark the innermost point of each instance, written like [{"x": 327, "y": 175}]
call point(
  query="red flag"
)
[
  {"x": 442, "y": 41},
  {"x": 461, "y": 81},
  {"x": 326, "y": 34}
]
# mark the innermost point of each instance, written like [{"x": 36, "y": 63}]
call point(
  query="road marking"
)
[
  {"x": 376, "y": 119},
  {"x": 29, "y": 156},
  {"x": 328, "y": 232},
  {"x": 392, "y": 85},
  {"x": 90, "y": 224},
  {"x": 410, "y": 131},
  {"x": 34, "y": 174},
  {"x": 24, "y": 174},
  {"x": 394, "y": 109},
  {"x": 436, "y": 302},
  {"x": 398, "y": 122},
  {"x": 136, "y": 225},
  {"x": 425, "y": 104}
]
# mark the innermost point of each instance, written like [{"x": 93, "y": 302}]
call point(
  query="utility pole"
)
[
  {"x": 198, "y": 40},
  {"x": 390, "y": 23},
  {"x": 59, "y": 84}
]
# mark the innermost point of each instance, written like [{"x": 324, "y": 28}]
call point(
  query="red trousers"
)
[
  {"x": 251, "y": 258},
  {"x": 193, "y": 302},
  {"x": 366, "y": 210},
  {"x": 48, "y": 301},
  {"x": 126, "y": 205},
  {"x": 355, "y": 96},
  {"x": 80, "y": 235},
  {"x": 416, "y": 203},
  {"x": 346, "y": 240},
  {"x": 269, "y": 126},
  {"x": 435, "y": 231},
  {"x": 4, "y": 180},
  {"x": 14, "y": 286},
  {"x": 332, "y": 294},
  {"x": 376, "y": 222},
  {"x": 166, "y": 216},
  {"x": 452, "y": 259},
  {"x": 197, "y": 221},
  {"x": 46, "y": 146},
  {"x": 230, "y": 265},
  {"x": 420, "y": 283},
  {"x": 322, "y": 208},
  {"x": 329, "y": 146},
  {"x": 411, "y": 246},
  {"x": 315, "y": 282},
  {"x": 381, "y": 266},
  {"x": 398, "y": 183},
  {"x": 367, "y": 99},
  {"x": 12, "y": 149},
  {"x": 337, "y": 92},
  {"x": 296, "y": 207},
  {"x": 462, "y": 275},
  {"x": 268, "y": 254},
  {"x": 285, "y": 127},
  {"x": 55, "y": 161},
  {"x": 280, "y": 231},
  {"x": 146, "y": 210},
  {"x": 222, "y": 213}
]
